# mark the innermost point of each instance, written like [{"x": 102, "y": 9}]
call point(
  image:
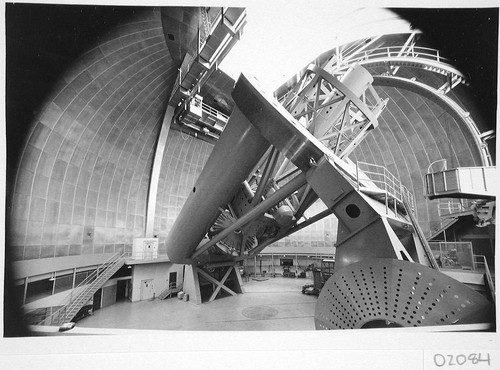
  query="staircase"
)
[
  {"x": 85, "y": 291},
  {"x": 172, "y": 288}
]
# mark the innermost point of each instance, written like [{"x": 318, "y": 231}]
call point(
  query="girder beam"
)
[{"x": 262, "y": 207}]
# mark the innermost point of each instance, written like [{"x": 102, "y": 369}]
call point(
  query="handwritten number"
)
[
  {"x": 441, "y": 359},
  {"x": 473, "y": 358},
  {"x": 461, "y": 359},
  {"x": 487, "y": 359}
]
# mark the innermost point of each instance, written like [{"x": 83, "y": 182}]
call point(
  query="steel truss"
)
[{"x": 223, "y": 221}]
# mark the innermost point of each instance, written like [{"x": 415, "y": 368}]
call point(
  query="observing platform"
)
[{"x": 462, "y": 182}]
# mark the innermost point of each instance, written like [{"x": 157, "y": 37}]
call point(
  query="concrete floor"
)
[{"x": 273, "y": 304}]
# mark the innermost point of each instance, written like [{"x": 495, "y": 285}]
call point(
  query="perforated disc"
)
[{"x": 389, "y": 292}]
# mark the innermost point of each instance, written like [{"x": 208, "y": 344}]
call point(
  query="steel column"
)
[
  {"x": 214, "y": 281},
  {"x": 155, "y": 172},
  {"x": 268, "y": 170},
  {"x": 221, "y": 284},
  {"x": 25, "y": 289}
]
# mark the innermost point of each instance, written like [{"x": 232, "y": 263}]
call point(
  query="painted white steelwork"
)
[
  {"x": 215, "y": 40},
  {"x": 330, "y": 108}
]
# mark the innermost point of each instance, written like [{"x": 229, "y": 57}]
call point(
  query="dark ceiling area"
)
[{"x": 469, "y": 38}]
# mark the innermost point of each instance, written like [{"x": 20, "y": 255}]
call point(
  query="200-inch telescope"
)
[{"x": 268, "y": 168}]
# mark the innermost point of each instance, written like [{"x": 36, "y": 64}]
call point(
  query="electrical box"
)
[{"x": 145, "y": 248}]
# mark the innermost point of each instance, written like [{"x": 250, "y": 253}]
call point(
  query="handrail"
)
[
  {"x": 404, "y": 54},
  {"x": 146, "y": 256},
  {"x": 454, "y": 255},
  {"x": 421, "y": 237},
  {"x": 393, "y": 51},
  {"x": 32, "y": 317},
  {"x": 107, "y": 264},
  {"x": 68, "y": 300},
  {"x": 187, "y": 63},
  {"x": 451, "y": 207},
  {"x": 214, "y": 112},
  {"x": 208, "y": 25},
  {"x": 386, "y": 181},
  {"x": 90, "y": 277},
  {"x": 172, "y": 288},
  {"x": 401, "y": 52},
  {"x": 95, "y": 282},
  {"x": 488, "y": 275}
]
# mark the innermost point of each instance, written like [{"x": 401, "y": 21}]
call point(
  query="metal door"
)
[
  {"x": 97, "y": 300},
  {"x": 148, "y": 250},
  {"x": 146, "y": 289},
  {"x": 172, "y": 280}
]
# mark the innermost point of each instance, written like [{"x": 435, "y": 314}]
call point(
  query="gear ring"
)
[{"x": 390, "y": 292}]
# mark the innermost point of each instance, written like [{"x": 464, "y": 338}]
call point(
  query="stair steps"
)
[
  {"x": 172, "y": 289},
  {"x": 86, "y": 290}
]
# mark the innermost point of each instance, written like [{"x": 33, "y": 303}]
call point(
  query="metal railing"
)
[
  {"x": 454, "y": 255},
  {"x": 489, "y": 278},
  {"x": 451, "y": 207},
  {"x": 38, "y": 315},
  {"x": 145, "y": 255},
  {"x": 385, "y": 181},
  {"x": 187, "y": 63},
  {"x": 397, "y": 51},
  {"x": 281, "y": 99},
  {"x": 420, "y": 235},
  {"x": 80, "y": 289},
  {"x": 214, "y": 112},
  {"x": 172, "y": 288},
  {"x": 209, "y": 22}
]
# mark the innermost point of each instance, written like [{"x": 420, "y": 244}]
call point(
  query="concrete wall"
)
[
  {"x": 158, "y": 272},
  {"x": 192, "y": 286}
]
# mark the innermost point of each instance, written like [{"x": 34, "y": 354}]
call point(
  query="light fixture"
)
[{"x": 53, "y": 277}]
